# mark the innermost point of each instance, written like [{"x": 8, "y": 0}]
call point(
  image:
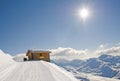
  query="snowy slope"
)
[
  {"x": 105, "y": 65},
  {"x": 5, "y": 59},
  {"x": 90, "y": 77},
  {"x": 35, "y": 71},
  {"x": 45, "y": 71},
  {"x": 19, "y": 57}
]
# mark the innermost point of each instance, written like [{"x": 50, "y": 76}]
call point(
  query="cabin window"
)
[{"x": 40, "y": 54}]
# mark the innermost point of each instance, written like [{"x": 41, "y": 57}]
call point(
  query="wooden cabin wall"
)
[{"x": 45, "y": 55}]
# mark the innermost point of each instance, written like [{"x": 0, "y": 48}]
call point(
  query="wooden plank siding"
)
[{"x": 38, "y": 55}]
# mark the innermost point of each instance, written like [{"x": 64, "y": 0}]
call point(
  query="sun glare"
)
[{"x": 84, "y": 13}]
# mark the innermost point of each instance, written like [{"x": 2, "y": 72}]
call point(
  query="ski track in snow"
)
[{"x": 34, "y": 71}]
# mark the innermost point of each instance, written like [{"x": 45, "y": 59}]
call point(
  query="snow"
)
[
  {"x": 35, "y": 71},
  {"x": 90, "y": 77},
  {"x": 39, "y": 50},
  {"x": 45, "y": 71},
  {"x": 56, "y": 70},
  {"x": 19, "y": 57},
  {"x": 5, "y": 59},
  {"x": 31, "y": 70},
  {"x": 105, "y": 66}
]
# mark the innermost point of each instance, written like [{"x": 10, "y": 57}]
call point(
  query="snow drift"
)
[
  {"x": 5, "y": 59},
  {"x": 19, "y": 57}
]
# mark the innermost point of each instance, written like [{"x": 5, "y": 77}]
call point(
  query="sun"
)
[{"x": 84, "y": 13}]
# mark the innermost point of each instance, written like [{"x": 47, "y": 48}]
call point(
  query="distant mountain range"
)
[{"x": 105, "y": 66}]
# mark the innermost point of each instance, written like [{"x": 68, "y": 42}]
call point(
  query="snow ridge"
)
[
  {"x": 36, "y": 71},
  {"x": 5, "y": 59}
]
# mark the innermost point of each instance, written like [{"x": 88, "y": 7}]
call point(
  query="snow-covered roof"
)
[{"x": 37, "y": 50}]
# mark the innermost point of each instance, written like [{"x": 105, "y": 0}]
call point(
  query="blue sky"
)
[{"x": 49, "y": 24}]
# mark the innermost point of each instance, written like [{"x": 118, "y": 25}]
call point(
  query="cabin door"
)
[{"x": 34, "y": 56}]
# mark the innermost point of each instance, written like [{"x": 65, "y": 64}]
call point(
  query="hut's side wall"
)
[
  {"x": 44, "y": 56},
  {"x": 38, "y": 56}
]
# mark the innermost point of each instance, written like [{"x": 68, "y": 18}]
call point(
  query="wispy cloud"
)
[{"x": 112, "y": 51}]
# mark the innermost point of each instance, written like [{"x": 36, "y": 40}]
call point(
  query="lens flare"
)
[{"x": 84, "y": 13}]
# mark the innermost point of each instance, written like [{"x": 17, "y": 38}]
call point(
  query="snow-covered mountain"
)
[
  {"x": 83, "y": 70},
  {"x": 105, "y": 66},
  {"x": 90, "y": 77}
]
